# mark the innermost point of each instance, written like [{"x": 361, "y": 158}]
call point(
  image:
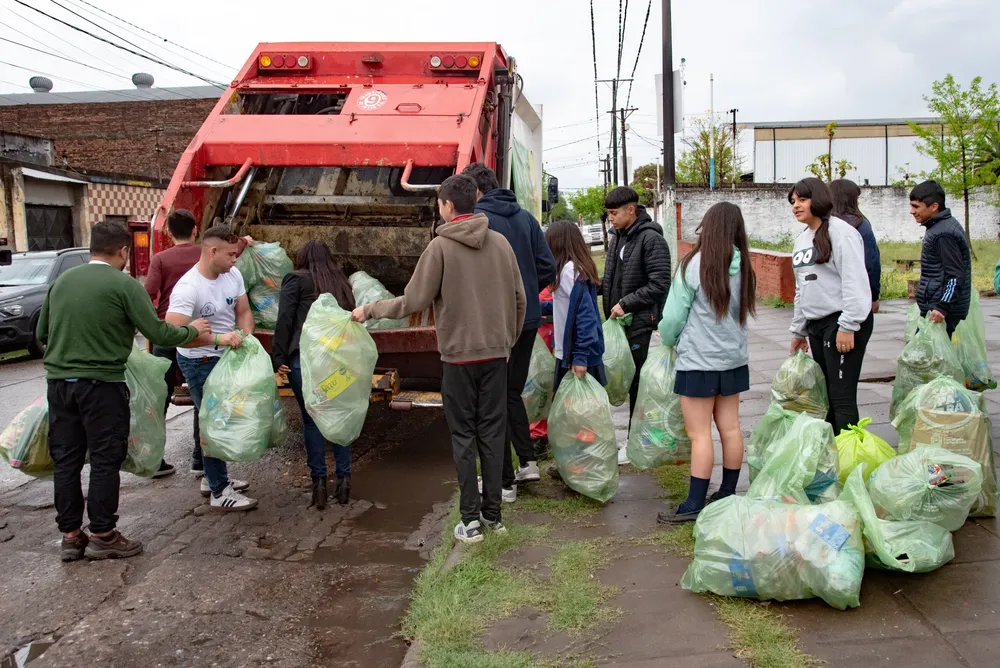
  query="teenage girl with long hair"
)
[
  {"x": 706, "y": 317},
  {"x": 845, "y": 194},
  {"x": 315, "y": 273},
  {"x": 833, "y": 298}
]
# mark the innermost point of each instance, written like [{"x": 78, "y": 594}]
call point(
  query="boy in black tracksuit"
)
[{"x": 945, "y": 284}]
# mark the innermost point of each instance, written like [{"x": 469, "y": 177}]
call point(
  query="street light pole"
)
[{"x": 669, "y": 174}]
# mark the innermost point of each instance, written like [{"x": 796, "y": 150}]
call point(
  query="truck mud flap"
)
[{"x": 405, "y": 401}]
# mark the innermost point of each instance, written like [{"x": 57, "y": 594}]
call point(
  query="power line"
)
[
  {"x": 73, "y": 81},
  {"x": 55, "y": 55},
  {"x": 119, "y": 46},
  {"x": 571, "y": 125},
  {"x": 642, "y": 39},
  {"x": 578, "y": 141}
]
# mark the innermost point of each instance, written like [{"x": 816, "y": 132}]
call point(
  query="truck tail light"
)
[
  {"x": 285, "y": 62},
  {"x": 449, "y": 61},
  {"x": 473, "y": 61},
  {"x": 436, "y": 61},
  {"x": 461, "y": 61}
]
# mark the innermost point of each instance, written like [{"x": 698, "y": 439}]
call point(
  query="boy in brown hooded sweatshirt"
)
[{"x": 470, "y": 275}]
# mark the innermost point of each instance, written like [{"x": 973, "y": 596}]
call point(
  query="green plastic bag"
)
[
  {"x": 912, "y": 322},
  {"x": 928, "y": 484},
  {"x": 856, "y": 445},
  {"x": 911, "y": 546},
  {"x": 944, "y": 414},
  {"x": 279, "y": 426},
  {"x": 264, "y": 305},
  {"x": 537, "y": 393},
  {"x": 781, "y": 436},
  {"x": 338, "y": 359},
  {"x": 658, "y": 435},
  {"x": 800, "y": 386},
  {"x": 263, "y": 264},
  {"x": 969, "y": 340},
  {"x": 147, "y": 396},
  {"x": 798, "y": 464},
  {"x": 237, "y": 409},
  {"x": 926, "y": 356},
  {"x": 619, "y": 367},
  {"x": 368, "y": 290},
  {"x": 582, "y": 437},
  {"x": 782, "y": 552},
  {"x": 24, "y": 443}
]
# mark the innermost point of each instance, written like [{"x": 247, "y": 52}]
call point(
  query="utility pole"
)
[
  {"x": 733, "y": 112},
  {"x": 711, "y": 132},
  {"x": 669, "y": 173},
  {"x": 606, "y": 171},
  {"x": 614, "y": 123},
  {"x": 625, "y": 174}
]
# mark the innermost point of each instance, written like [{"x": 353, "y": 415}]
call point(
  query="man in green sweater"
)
[{"x": 88, "y": 323}]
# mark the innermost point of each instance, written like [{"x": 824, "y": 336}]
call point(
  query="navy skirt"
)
[{"x": 706, "y": 384}]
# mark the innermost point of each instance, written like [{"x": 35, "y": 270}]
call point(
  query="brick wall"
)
[
  {"x": 775, "y": 278},
  {"x": 139, "y": 139}
]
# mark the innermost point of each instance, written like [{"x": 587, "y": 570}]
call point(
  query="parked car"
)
[
  {"x": 23, "y": 286},
  {"x": 593, "y": 235}
]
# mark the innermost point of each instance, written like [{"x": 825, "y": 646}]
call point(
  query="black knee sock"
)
[
  {"x": 696, "y": 496},
  {"x": 729, "y": 479}
]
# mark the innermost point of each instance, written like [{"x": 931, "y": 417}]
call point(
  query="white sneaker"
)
[
  {"x": 469, "y": 533},
  {"x": 232, "y": 501},
  {"x": 507, "y": 495},
  {"x": 496, "y": 527},
  {"x": 528, "y": 473},
  {"x": 623, "y": 457},
  {"x": 238, "y": 485}
]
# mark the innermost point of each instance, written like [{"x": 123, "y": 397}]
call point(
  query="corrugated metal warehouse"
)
[{"x": 883, "y": 151}]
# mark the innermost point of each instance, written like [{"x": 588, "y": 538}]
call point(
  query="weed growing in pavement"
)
[
  {"x": 576, "y": 598},
  {"x": 551, "y": 497},
  {"x": 775, "y": 302},
  {"x": 678, "y": 540},
  {"x": 759, "y": 635},
  {"x": 674, "y": 479}
]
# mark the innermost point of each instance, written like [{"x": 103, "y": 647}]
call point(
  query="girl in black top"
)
[{"x": 315, "y": 273}]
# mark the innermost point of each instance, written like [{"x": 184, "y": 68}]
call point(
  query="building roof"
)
[
  {"x": 105, "y": 96},
  {"x": 919, "y": 120},
  {"x": 49, "y": 176}
]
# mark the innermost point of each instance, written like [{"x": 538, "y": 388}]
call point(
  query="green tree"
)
[
  {"x": 824, "y": 168},
  {"x": 562, "y": 210},
  {"x": 589, "y": 203},
  {"x": 693, "y": 165},
  {"x": 961, "y": 143},
  {"x": 647, "y": 174}
]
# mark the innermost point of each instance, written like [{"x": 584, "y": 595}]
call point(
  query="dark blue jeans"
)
[
  {"x": 196, "y": 371},
  {"x": 315, "y": 443}
]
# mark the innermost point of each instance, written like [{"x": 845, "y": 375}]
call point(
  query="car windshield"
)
[{"x": 27, "y": 270}]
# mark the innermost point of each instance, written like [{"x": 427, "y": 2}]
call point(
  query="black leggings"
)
[{"x": 842, "y": 370}]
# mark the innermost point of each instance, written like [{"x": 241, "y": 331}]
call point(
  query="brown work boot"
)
[
  {"x": 112, "y": 546},
  {"x": 72, "y": 549}
]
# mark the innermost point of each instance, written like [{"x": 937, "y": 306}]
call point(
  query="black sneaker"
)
[
  {"x": 496, "y": 527},
  {"x": 720, "y": 495},
  {"x": 72, "y": 549},
  {"x": 198, "y": 467},
  {"x": 677, "y": 517},
  {"x": 542, "y": 449},
  {"x": 112, "y": 546},
  {"x": 164, "y": 470}
]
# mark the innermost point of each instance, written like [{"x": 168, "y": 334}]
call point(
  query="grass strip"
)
[{"x": 759, "y": 635}]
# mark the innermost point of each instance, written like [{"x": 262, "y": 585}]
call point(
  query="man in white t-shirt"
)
[{"x": 213, "y": 289}]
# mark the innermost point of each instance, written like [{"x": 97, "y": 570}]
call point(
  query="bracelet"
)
[{"x": 216, "y": 340}]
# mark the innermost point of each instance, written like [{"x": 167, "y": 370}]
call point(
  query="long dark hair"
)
[
  {"x": 567, "y": 244},
  {"x": 821, "y": 204},
  {"x": 315, "y": 261},
  {"x": 845, "y": 194},
  {"x": 720, "y": 231}
]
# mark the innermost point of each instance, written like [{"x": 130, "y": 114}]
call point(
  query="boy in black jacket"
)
[{"x": 538, "y": 270}]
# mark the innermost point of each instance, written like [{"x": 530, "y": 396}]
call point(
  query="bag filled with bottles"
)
[
  {"x": 24, "y": 443},
  {"x": 911, "y": 546},
  {"x": 237, "y": 408},
  {"x": 537, "y": 393},
  {"x": 774, "y": 551},
  {"x": 969, "y": 340},
  {"x": 264, "y": 264},
  {"x": 338, "y": 358},
  {"x": 368, "y": 290},
  {"x": 798, "y": 461},
  {"x": 582, "y": 437},
  {"x": 858, "y": 446},
  {"x": 658, "y": 435},
  {"x": 944, "y": 414},
  {"x": 800, "y": 386},
  {"x": 264, "y": 305},
  {"x": 927, "y": 355},
  {"x": 928, "y": 484},
  {"x": 147, "y": 396},
  {"x": 619, "y": 366}
]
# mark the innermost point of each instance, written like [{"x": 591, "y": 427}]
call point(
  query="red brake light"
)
[
  {"x": 278, "y": 61},
  {"x": 461, "y": 61},
  {"x": 449, "y": 61}
]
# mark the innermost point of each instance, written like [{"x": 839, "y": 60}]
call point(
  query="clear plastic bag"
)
[
  {"x": 856, "y": 445},
  {"x": 911, "y": 546},
  {"x": 927, "y": 355},
  {"x": 800, "y": 386},
  {"x": 24, "y": 443},
  {"x": 144, "y": 374},
  {"x": 798, "y": 462},
  {"x": 582, "y": 438},
  {"x": 368, "y": 290},
  {"x": 658, "y": 435},
  {"x": 912, "y": 322},
  {"x": 619, "y": 367},
  {"x": 969, "y": 340},
  {"x": 263, "y": 264},
  {"x": 237, "y": 409},
  {"x": 537, "y": 393},
  {"x": 264, "y": 304},
  {"x": 279, "y": 426},
  {"x": 944, "y": 414},
  {"x": 928, "y": 484},
  {"x": 338, "y": 358},
  {"x": 773, "y": 551}
]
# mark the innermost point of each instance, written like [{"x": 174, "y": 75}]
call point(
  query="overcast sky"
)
[{"x": 774, "y": 60}]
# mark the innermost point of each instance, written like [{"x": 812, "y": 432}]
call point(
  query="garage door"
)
[{"x": 49, "y": 227}]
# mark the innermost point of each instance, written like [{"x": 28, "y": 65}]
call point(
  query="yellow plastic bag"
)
[{"x": 856, "y": 445}]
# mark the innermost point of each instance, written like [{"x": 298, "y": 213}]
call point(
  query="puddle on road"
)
[
  {"x": 25, "y": 655},
  {"x": 380, "y": 559}
]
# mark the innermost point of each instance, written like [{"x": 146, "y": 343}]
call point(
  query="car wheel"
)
[{"x": 36, "y": 347}]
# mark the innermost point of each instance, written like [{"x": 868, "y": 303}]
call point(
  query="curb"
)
[{"x": 412, "y": 657}]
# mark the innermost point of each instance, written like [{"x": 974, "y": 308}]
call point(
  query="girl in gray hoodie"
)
[{"x": 706, "y": 317}]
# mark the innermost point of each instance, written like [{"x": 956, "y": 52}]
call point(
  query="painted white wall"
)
[{"x": 867, "y": 154}]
